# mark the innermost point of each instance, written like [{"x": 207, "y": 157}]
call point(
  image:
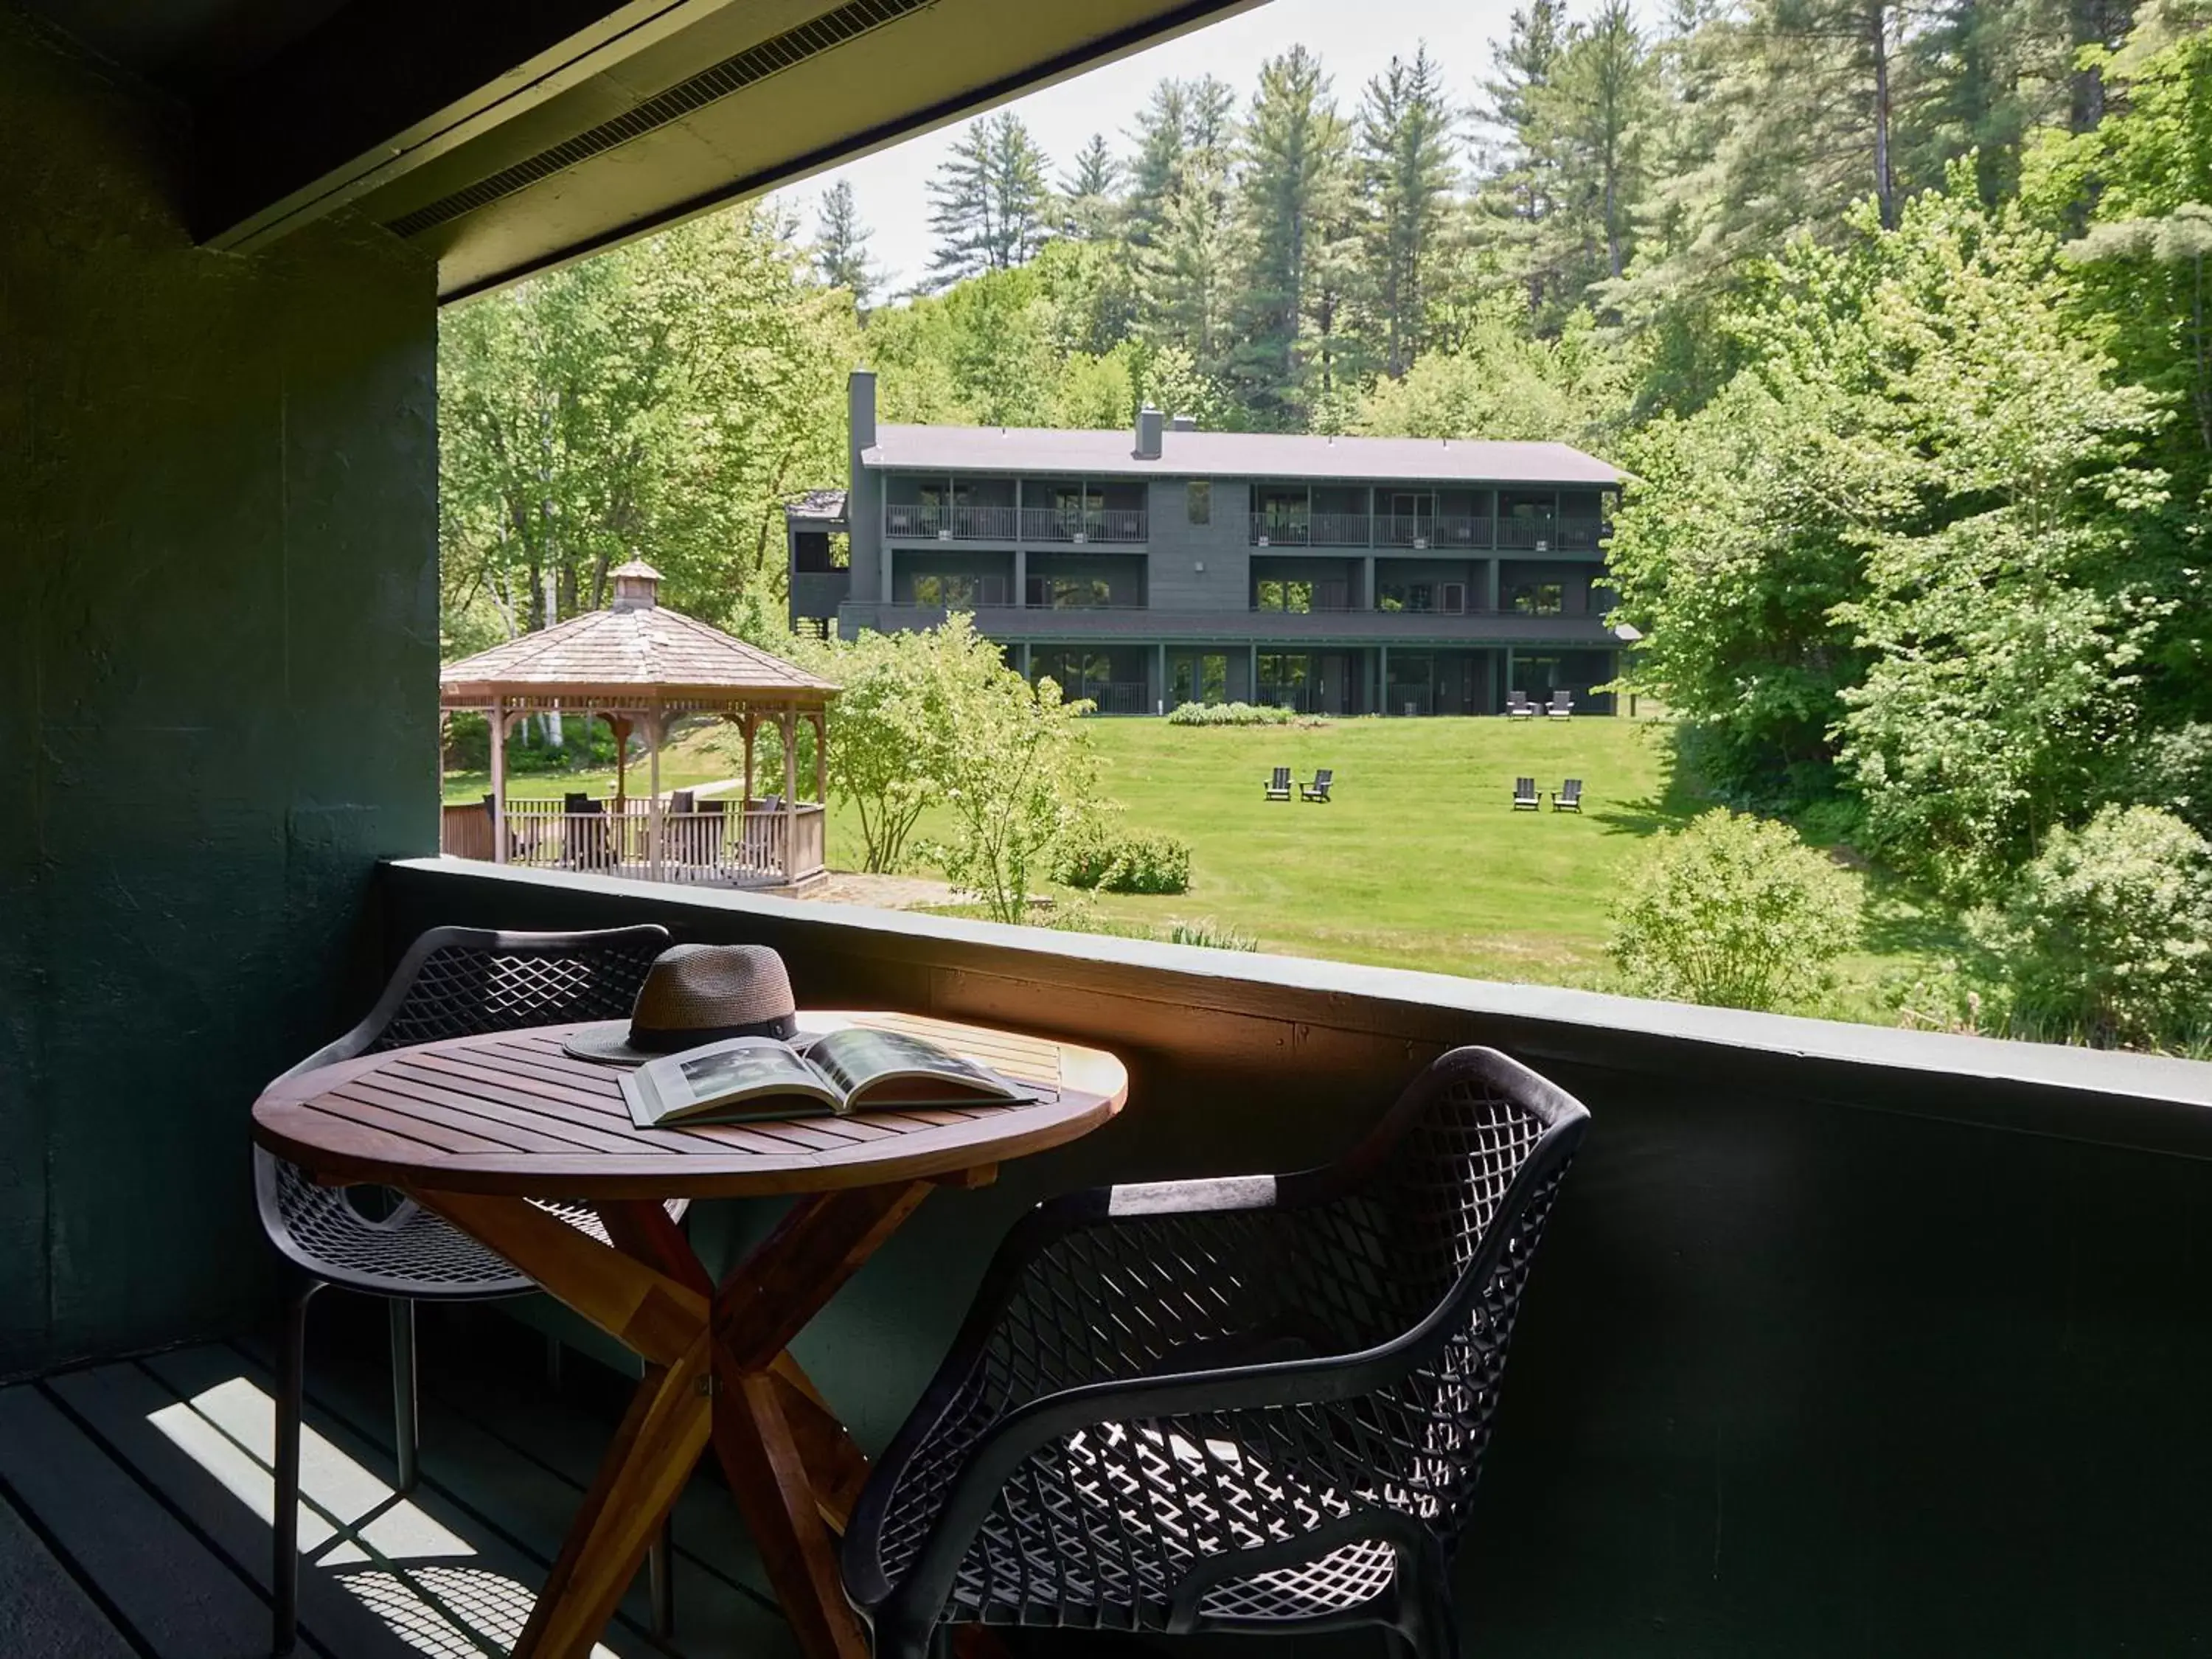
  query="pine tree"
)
[
  {"x": 1595, "y": 107},
  {"x": 841, "y": 246},
  {"x": 989, "y": 202},
  {"x": 1981, "y": 75},
  {"x": 1520, "y": 181},
  {"x": 1406, "y": 149},
  {"x": 1295, "y": 209},
  {"x": 1182, "y": 136},
  {"x": 1158, "y": 165},
  {"x": 1090, "y": 194},
  {"x": 1823, "y": 120},
  {"x": 1178, "y": 225}
]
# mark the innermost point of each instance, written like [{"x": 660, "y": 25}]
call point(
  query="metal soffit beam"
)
[{"x": 506, "y": 162}]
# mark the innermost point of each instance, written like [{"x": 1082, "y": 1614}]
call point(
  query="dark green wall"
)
[{"x": 217, "y": 653}]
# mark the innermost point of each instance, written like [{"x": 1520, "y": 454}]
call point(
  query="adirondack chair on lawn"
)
[
  {"x": 1279, "y": 784},
  {"x": 1525, "y": 798},
  {"x": 1517, "y": 706},
  {"x": 1569, "y": 797},
  {"x": 1319, "y": 789},
  {"x": 1563, "y": 705}
]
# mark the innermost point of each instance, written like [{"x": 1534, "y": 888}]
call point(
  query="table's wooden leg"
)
[
  {"x": 754, "y": 1442},
  {"x": 770, "y": 1296},
  {"x": 789, "y": 1498},
  {"x": 795, "y": 1471},
  {"x": 837, "y": 1467},
  {"x": 665, "y": 1320},
  {"x": 660, "y": 1441}
]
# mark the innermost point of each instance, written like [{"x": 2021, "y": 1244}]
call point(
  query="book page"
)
[
  {"x": 856, "y": 1060},
  {"x": 708, "y": 1085}
]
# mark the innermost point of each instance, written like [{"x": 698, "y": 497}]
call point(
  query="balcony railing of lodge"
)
[
  {"x": 1006, "y": 524},
  {"x": 1425, "y": 532},
  {"x": 1325, "y": 596},
  {"x": 1548, "y": 535}
]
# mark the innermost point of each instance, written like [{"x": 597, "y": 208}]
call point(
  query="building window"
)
[
  {"x": 1296, "y": 597},
  {"x": 1538, "y": 599},
  {"x": 1405, "y": 596},
  {"x": 1283, "y": 680},
  {"x": 957, "y": 591},
  {"x": 1198, "y": 500},
  {"x": 1070, "y": 593}
]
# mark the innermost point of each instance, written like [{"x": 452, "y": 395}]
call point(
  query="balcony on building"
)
[
  {"x": 1026, "y": 510},
  {"x": 1421, "y": 518}
]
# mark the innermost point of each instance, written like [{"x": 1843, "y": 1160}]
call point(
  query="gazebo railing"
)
[{"x": 726, "y": 846}]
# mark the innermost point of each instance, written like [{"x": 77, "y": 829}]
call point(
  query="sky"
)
[{"x": 1355, "y": 41}]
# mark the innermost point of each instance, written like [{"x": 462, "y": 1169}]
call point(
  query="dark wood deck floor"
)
[{"x": 134, "y": 1500}]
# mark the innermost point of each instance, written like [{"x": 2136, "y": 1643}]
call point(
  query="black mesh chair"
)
[
  {"x": 1247, "y": 1405},
  {"x": 453, "y": 981}
]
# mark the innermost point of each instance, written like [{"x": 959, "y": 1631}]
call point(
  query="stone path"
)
[{"x": 883, "y": 892}]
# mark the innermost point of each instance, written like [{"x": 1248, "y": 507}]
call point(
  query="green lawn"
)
[
  {"x": 1419, "y": 859},
  {"x": 1418, "y": 862}
]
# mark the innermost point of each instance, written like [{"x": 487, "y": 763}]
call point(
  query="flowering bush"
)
[{"x": 1231, "y": 713}]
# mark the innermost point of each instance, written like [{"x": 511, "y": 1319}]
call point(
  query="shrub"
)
[
  {"x": 1231, "y": 713},
  {"x": 1208, "y": 932},
  {"x": 2108, "y": 933},
  {"x": 1735, "y": 911},
  {"x": 2173, "y": 769},
  {"x": 1095, "y": 857}
]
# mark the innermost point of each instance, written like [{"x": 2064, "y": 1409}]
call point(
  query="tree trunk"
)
[
  {"x": 2091, "y": 24},
  {"x": 1613, "y": 212},
  {"x": 1885, "y": 186}
]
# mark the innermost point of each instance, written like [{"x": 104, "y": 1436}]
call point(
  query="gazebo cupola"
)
[
  {"x": 638, "y": 664},
  {"x": 637, "y": 587}
]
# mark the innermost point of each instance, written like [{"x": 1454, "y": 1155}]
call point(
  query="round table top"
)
[{"x": 511, "y": 1113}]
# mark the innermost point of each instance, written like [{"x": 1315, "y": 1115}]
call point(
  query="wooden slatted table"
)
[{"x": 478, "y": 1128}]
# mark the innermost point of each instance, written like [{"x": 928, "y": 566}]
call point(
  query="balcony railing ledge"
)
[{"x": 2148, "y": 1103}]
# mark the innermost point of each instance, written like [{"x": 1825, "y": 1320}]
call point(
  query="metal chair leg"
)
[
  {"x": 404, "y": 1435},
  {"x": 660, "y": 1578},
  {"x": 291, "y": 1399}
]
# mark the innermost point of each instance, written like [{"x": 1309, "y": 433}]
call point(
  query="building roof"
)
[
  {"x": 637, "y": 654},
  {"x": 1234, "y": 454},
  {"x": 816, "y": 506}
]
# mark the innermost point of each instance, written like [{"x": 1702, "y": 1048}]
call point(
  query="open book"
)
[{"x": 744, "y": 1079}]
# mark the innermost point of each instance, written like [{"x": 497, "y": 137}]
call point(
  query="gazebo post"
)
[
  {"x": 747, "y": 723},
  {"x": 655, "y": 727},
  {"x": 789, "y": 722},
  {"x": 499, "y": 780}
]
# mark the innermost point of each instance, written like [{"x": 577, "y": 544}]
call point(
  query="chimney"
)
[
  {"x": 1182, "y": 423},
  {"x": 637, "y": 587},
  {"x": 1149, "y": 424},
  {"x": 861, "y": 409}
]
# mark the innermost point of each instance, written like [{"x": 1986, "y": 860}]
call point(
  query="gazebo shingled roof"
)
[{"x": 636, "y": 654}]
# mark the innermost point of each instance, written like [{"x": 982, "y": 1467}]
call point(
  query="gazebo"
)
[{"x": 638, "y": 665}]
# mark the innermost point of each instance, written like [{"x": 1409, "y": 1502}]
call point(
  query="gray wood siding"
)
[{"x": 1179, "y": 547}]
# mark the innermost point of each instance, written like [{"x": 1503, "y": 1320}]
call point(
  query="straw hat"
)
[{"x": 696, "y": 994}]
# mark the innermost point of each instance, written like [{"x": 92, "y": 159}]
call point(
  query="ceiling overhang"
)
[{"x": 503, "y": 137}]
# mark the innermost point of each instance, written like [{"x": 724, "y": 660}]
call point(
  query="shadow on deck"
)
[{"x": 135, "y": 1504}]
